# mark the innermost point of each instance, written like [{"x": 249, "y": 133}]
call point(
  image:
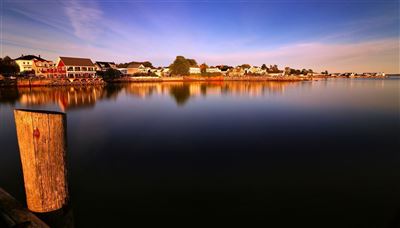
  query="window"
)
[
  {"x": 84, "y": 69},
  {"x": 70, "y": 68},
  {"x": 77, "y": 69}
]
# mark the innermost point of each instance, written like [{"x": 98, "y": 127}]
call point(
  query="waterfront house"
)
[
  {"x": 45, "y": 68},
  {"x": 255, "y": 70},
  {"x": 237, "y": 71},
  {"x": 158, "y": 72},
  {"x": 25, "y": 62},
  {"x": 76, "y": 67},
  {"x": 165, "y": 72},
  {"x": 213, "y": 70},
  {"x": 275, "y": 74},
  {"x": 134, "y": 68},
  {"x": 194, "y": 70},
  {"x": 104, "y": 66},
  {"x": 124, "y": 71}
]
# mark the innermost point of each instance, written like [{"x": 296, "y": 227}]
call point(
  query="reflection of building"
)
[
  {"x": 143, "y": 89},
  {"x": 182, "y": 91},
  {"x": 65, "y": 97},
  {"x": 77, "y": 97},
  {"x": 195, "y": 89},
  {"x": 76, "y": 67}
]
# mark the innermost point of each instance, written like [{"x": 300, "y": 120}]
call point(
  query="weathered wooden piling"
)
[{"x": 43, "y": 145}]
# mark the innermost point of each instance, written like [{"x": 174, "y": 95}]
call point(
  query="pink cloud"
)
[{"x": 377, "y": 55}]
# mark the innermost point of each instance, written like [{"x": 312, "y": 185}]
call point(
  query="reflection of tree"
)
[
  {"x": 79, "y": 97},
  {"x": 181, "y": 94},
  {"x": 142, "y": 89},
  {"x": 9, "y": 95},
  {"x": 203, "y": 89},
  {"x": 112, "y": 90}
]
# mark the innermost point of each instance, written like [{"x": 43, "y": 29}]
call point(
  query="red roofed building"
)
[{"x": 76, "y": 67}]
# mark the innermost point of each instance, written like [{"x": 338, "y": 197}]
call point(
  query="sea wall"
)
[
  {"x": 205, "y": 78},
  {"x": 59, "y": 82},
  {"x": 266, "y": 78}
]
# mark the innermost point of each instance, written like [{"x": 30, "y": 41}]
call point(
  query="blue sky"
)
[{"x": 339, "y": 35}]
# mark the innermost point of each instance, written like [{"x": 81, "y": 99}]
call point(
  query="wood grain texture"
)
[
  {"x": 16, "y": 215},
  {"x": 43, "y": 145}
]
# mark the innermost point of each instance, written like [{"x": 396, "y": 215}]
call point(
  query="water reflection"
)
[
  {"x": 68, "y": 98},
  {"x": 228, "y": 148}
]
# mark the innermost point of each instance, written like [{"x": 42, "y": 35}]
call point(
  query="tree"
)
[
  {"x": 225, "y": 67},
  {"x": 244, "y": 66},
  {"x": 192, "y": 62},
  {"x": 147, "y": 64},
  {"x": 273, "y": 69},
  {"x": 264, "y": 67},
  {"x": 203, "y": 68},
  {"x": 180, "y": 66},
  {"x": 288, "y": 71},
  {"x": 8, "y": 66},
  {"x": 110, "y": 74}
]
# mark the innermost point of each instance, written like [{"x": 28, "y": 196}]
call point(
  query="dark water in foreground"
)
[{"x": 308, "y": 154}]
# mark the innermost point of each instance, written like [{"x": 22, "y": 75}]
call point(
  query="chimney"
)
[{"x": 39, "y": 56}]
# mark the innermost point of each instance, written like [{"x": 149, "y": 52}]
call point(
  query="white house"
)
[
  {"x": 275, "y": 74},
  {"x": 256, "y": 70},
  {"x": 194, "y": 70},
  {"x": 26, "y": 62},
  {"x": 213, "y": 70}
]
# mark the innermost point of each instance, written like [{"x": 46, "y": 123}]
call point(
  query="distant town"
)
[{"x": 84, "y": 69}]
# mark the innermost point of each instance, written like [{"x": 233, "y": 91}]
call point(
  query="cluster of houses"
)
[
  {"x": 72, "y": 67},
  {"x": 352, "y": 74},
  {"x": 63, "y": 67}
]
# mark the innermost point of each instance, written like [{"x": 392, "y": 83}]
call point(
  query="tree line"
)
[{"x": 8, "y": 66}]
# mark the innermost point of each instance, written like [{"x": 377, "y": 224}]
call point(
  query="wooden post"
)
[{"x": 42, "y": 146}]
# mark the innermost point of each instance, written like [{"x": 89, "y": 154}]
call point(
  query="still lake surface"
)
[{"x": 314, "y": 154}]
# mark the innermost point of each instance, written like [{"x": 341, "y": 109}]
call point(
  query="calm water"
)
[{"x": 310, "y": 154}]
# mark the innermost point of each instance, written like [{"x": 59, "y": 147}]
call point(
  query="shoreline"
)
[{"x": 34, "y": 82}]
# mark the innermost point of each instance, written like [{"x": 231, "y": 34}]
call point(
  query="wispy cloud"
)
[
  {"x": 159, "y": 32},
  {"x": 84, "y": 18}
]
